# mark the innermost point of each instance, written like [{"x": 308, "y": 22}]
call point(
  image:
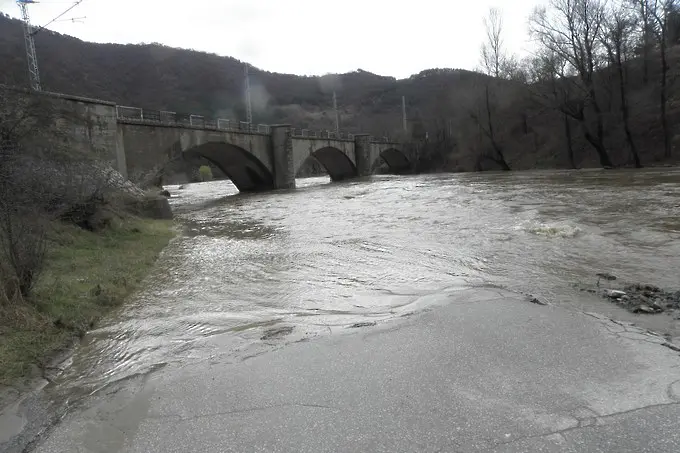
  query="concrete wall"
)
[{"x": 83, "y": 125}]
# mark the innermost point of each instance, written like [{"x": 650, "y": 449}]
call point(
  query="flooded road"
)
[{"x": 251, "y": 269}]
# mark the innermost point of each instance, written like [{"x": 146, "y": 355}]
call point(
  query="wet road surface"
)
[{"x": 487, "y": 371}]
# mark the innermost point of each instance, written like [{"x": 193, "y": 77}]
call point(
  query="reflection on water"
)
[{"x": 326, "y": 256}]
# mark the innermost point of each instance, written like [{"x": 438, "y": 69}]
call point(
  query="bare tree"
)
[
  {"x": 494, "y": 64},
  {"x": 662, "y": 13},
  {"x": 645, "y": 22},
  {"x": 492, "y": 52},
  {"x": 617, "y": 41},
  {"x": 22, "y": 233},
  {"x": 550, "y": 84},
  {"x": 572, "y": 29}
]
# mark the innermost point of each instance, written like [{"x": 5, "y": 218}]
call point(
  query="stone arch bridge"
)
[{"x": 255, "y": 158}]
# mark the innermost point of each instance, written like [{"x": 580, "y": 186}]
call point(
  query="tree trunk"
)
[
  {"x": 663, "y": 97},
  {"x": 570, "y": 145},
  {"x": 624, "y": 110},
  {"x": 500, "y": 158},
  {"x": 598, "y": 140},
  {"x": 645, "y": 55},
  {"x": 599, "y": 148}
]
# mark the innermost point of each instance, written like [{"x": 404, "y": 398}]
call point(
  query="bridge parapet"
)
[{"x": 137, "y": 115}]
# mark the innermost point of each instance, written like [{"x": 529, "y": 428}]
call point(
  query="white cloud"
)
[{"x": 300, "y": 36}]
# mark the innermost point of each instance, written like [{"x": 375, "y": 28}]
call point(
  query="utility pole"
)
[
  {"x": 249, "y": 107},
  {"x": 403, "y": 113},
  {"x": 31, "y": 56},
  {"x": 337, "y": 114}
]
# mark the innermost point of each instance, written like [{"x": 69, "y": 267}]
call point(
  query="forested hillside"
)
[{"x": 554, "y": 109}]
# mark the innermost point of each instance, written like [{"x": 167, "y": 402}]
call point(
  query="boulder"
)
[
  {"x": 644, "y": 309},
  {"x": 614, "y": 293}
]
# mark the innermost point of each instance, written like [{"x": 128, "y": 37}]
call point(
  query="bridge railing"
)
[
  {"x": 186, "y": 119},
  {"x": 332, "y": 135},
  {"x": 165, "y": 117}
]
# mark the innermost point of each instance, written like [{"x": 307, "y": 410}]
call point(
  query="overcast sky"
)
[{"x": 387, "y": 37}]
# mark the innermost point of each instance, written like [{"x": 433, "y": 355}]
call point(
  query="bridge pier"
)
[
  {"x": 362, "y": 154},
  {"x": 282, "y": 147}
]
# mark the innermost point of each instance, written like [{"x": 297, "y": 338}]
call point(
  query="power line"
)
[
  {"x": 59, "y": 16},
  {"x": 29, "y": 33}
]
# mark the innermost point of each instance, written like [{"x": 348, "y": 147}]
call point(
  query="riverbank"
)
[{"x": 86, "y": 275}]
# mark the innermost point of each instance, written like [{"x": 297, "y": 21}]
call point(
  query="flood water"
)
[{"x": 252, "y": 271}]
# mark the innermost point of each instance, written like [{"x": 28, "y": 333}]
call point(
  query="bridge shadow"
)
[
  {"x": 336, "y": 163},
  {"x": 244, "y": 170},
  {"x": 392, "y": 161}
]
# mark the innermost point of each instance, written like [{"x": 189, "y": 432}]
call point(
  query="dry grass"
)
[{"x": 85, "y": 275}]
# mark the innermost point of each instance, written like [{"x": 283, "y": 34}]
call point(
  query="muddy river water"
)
[{"x": 249, "y": 267}]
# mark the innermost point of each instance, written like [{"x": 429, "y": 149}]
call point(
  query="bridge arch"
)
[
  {"x": 395, "y": 160},
  {"x": 245, "y": 170},
  {"x": 338, "y": 165}
]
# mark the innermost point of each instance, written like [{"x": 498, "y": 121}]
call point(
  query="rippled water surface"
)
[{"x": 325, "y": 256}]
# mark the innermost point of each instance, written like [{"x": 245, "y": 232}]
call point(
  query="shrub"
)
[
  {"x": 205, "y": 173},
  {"x": 23, "y": 245}
]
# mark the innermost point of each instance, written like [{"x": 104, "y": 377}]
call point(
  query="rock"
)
[
  {"x": 165, "y": 193},
  {"x": 536, "y": 301},
  {"x": 180, "y": 187},
  {"x": 657, "y": 305},
  {"x": 643, "y": 309},
  {"x": 614, "y": 293},
  {"x": 652, "y": 288},
  {"x": 625, "y": 298}
]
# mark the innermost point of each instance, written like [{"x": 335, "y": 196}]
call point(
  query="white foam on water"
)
[{"x": 552, "y": 230}]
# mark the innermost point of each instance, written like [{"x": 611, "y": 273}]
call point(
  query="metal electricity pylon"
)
[{"x": 31, "y": 56}]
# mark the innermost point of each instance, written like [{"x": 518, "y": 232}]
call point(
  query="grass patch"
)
[{"x": 86, "y": 274}]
